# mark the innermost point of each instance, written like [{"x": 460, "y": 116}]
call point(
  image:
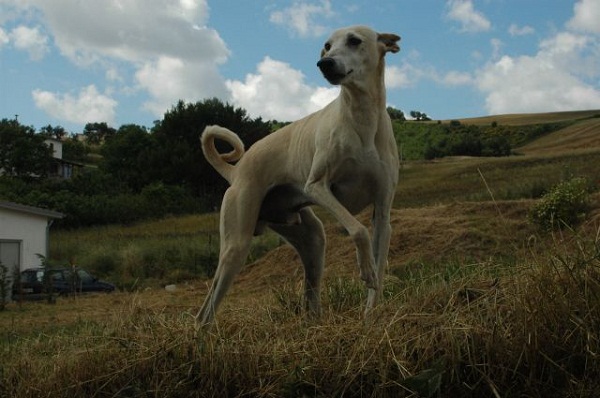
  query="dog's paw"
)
[{"x": 370, "y": 279}]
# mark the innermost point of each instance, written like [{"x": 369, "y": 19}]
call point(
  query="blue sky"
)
[{"x": 67, "y": 62}]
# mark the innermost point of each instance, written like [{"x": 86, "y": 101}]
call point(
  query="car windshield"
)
[
  {"x": 32, "y": 276},
  {"x": 57, "y": 276},
  {"x": 84, "y": 276}
]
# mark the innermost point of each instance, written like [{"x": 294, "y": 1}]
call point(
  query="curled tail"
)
[{"x": 220, "y": 161}]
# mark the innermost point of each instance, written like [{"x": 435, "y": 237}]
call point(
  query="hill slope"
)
[
  {"x": 583, "y": 135},
  {"x": 427, "y": 239},
  {"x": 520, "y": 119},
  {"x": 451, "y": 231}
]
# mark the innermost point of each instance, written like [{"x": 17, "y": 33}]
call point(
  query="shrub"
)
[
  {"x": 102, "y": 262},
  {"x": 4, "y": 286},
  {"x": 565, "y": 204}
]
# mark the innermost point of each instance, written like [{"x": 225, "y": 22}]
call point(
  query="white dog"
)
[{"x": 343, "y": 158}]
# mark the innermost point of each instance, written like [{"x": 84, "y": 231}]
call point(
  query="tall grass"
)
[
  {"x": 525, "y": 329},
  {"x": 150, "y": 253}
]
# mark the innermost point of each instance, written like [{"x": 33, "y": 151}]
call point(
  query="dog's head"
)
[{"x": 354, "y": 52}]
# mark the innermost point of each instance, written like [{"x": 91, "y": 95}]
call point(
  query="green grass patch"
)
[
  {"x": 167, "y": 251},
  {"x": 428, "y": 140}
]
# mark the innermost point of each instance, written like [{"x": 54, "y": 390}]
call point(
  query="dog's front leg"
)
[
  {"x": 382, "y": 231},
  {"x": 320, "y": 192}
]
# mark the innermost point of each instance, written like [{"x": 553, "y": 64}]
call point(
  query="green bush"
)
[
  {"x": 428, "y": 141},
  {"x": 565, "y": 204},
  {"x": 4, "y": 286}
]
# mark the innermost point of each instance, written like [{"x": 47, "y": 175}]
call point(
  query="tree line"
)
[
  {"x": 138, "y": 173},
  {"x": 134, "y": 172}
]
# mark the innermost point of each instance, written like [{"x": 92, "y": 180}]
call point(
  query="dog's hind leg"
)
[
  {"x": 308, "y": 238},
  {"x": 238, "y": 220}
]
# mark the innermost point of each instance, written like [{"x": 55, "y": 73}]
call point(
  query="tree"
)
[
  {"x": 177, "y": 158},
  {"x": 419, "y": 116},
  {"x": 97, "y": 133},
  {"x": 74, "y": 150},
  {"x": 56, "y": 132},
  {"x": 126, "y": 156},
  {"x": 23, "y": 153},
  {"x": 396, "y": 114}
]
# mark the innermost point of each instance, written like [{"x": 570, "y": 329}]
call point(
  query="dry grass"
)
[
  {"x": 520, "y": 119},
  {"x": 581, "y": 136},
  {"x": 516, "y": 177},
  {"x": 464, "y": 315},
  {"x": 477, "y": 304}
]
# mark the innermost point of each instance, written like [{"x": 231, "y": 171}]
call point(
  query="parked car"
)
[{"x": 61, "y": 281}]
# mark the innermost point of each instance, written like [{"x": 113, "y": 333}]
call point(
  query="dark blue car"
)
[{"x": 35, "y": 284}]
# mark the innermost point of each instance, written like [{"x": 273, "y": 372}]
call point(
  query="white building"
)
[
  {"x": 56, "y": 146},
  {"x": 62, "y": 168},
  {"x": 24, "y": 233}
]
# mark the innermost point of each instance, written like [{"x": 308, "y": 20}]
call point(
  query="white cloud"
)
[
  {"x": 112, "y": 74},
  {"x": 397, "y": 77},
  {"x": 132, "y": 30},
  {"x": 301, "y": 18},
  {"x": 455, "y": 78},
  {"x": 586, "y": 16},
  {"x": 470, "y": 19},
  {"x": 561, "y": 75},
  {"x": 558, "y": 77},
  {"x": 168, "y": 80},
  {"x": 516, "y": 30},
  {"x": 4, "y": 39},
  {"x": 402, "y": 76},
  {"x": 88, "y": 106},
  {"x": 496, "y": 47},
  {"x": 277, "y": 91},
  {"x": 410, "y": 73},
  {"x": 30, "y": 40},
  {"x": 162, "y": 47}
]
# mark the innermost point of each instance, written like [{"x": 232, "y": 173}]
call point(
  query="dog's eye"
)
[
  {"x": 327, "y": 46},
  {"x": 354, "y": 41}
]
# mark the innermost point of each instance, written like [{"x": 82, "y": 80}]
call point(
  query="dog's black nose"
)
[{"x": 326, "y": 64}]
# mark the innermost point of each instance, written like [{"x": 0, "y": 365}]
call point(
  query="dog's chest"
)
[{"x": 355, "y": 182}]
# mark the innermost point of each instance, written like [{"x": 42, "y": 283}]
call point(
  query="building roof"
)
[{"x": 30, "y": 210}]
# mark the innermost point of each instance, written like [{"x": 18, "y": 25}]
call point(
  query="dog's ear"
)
[{"x": 389, "y": 41}]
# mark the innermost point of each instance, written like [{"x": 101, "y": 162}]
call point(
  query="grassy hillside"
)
[
  {"x": 478, "y": 302},
  {"x": 149, "y": 254},
  {"x": 521, "y": 119},
  {"x": 495, "y": 135},
  {"x": 584, "y": 135}
]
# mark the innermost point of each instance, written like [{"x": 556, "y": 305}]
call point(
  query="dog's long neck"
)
[{"x": 366, "y": 103}]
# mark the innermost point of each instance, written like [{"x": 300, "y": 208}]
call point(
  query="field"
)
[{"x": 478, "y": 301}]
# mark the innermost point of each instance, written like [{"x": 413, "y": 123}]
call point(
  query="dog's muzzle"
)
[{"x": 331, "y": 70}]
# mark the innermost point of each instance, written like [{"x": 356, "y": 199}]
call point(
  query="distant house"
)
[
  {"x": 61, "y": 168},
  {"x": 24, "y": 233}
]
